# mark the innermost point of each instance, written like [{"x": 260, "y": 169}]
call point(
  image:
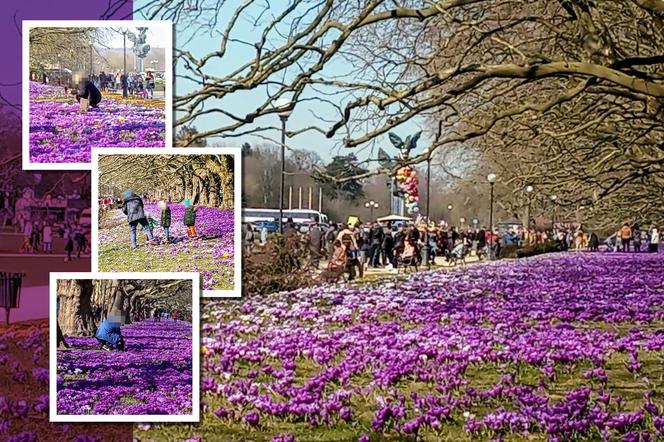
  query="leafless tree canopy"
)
[
  {"x": 565, "y": 95},
  {"x": 199, "y": 178}
]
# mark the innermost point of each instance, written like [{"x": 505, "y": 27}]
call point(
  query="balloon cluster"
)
[{"x": 407, "y": 180}]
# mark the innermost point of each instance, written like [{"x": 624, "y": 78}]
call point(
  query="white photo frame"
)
[
  {"x": 236, "y": 292},
  {"x": 165, "y": 26},
  {"x": 195, "y": 343}
]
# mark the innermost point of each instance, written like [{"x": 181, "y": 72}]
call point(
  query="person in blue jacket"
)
[{"x": 109, "y": 334}]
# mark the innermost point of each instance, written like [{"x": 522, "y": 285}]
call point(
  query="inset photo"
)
[
  {"x": 175, "y": 212},
  {"x": 94, "y": 84},
  {"x": 124, "y": 347}
]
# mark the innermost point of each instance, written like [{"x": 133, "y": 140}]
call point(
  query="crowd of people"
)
[
  {"x": 39, "y": 228},
  {"x": 353, "y": 247},
  {"x": 634, "y": 238},
  {"x": 140, "y": 84}
]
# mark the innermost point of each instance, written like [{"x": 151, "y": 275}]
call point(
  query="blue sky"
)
[{"x": 247, "y": 101}]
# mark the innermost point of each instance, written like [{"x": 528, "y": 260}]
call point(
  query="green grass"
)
[{"x": 480, "y": 376}]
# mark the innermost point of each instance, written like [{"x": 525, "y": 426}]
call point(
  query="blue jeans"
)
[
  {"x": 132, "y": 230},
  {"x": 167, "y": 232}
]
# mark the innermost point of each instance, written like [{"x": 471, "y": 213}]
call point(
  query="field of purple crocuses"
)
[
  {"x": 558, "y": 347},
  {"x": 59, "y": 134},
  {"x": 212, "y": 255},
  {"x": 152, "y": 376}
]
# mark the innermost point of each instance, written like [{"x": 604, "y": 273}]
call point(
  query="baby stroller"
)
[
  {"x": 611, "y": 243},
  {"x": 459, "y": 253}
]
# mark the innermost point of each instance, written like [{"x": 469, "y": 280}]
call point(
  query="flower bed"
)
[
  {"x": 153, "y": 375},
  {"x": 24, "y": 402},
  {"x": 562, "y": 346},
  {"x": 213, "y": 258},
  {"x": 58, "y": 134}
]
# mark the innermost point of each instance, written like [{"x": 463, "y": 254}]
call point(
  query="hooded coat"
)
[
  {"x": 132, "y": 206},
  {"x": 190, "y": 216},
  {"x": 166, "y": 217}
]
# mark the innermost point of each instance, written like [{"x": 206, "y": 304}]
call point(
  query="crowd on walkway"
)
[
  {"x": 354, "y": 247},
  {"x": 139, "y": 84},
  {"x": 634, "y": 238},
  {"x": 40, "y": 228}
]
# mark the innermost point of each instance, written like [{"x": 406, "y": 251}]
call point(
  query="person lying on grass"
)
[
  {"x": 190, "y": 218},
  {"x": 108, "y": 334},
  {"x": 132, "y": 206}
]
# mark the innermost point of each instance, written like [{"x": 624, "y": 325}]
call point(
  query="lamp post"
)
[
  {"x": 284, "y": 113},
  {"x": 529, "y": 191},
  {"x": 371, "y": 205},
  {"x": 553, "y": 213},
  {"x": 91, "y": 68},
  {"x": 59, "y": 71},
  {"x": 428, "y": 187},
  {"x": 154, "y": 64},
  {"x": 491, "y": 178},
  {"x": 124, "y": 64}
]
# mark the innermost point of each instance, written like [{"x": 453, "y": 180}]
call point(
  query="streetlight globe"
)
[
  {"x": 372, "y": 202},
  {"x": 529, "y": 189},
  {"x": 554, "y": 197},
  {"x": 283, "y": 103},
  {"x": 462, "y": 220},
  {"x": 367, "y": 205},
  {"x": 491, "y": 178},
  {"x": 376, "y": 205},
  {"x": 449, "y": 207}
]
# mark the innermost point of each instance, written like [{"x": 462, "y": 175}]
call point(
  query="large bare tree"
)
[{"x": 564, "y": 94}]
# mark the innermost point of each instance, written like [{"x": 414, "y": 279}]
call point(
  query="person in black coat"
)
[
  {"x": 132, "y": 206},
  {"x": 89, "y": 92}
]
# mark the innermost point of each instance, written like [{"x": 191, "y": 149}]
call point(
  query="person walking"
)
[
  {"x": 387, "y": 247},
  {"x": 132, "y": 206},
  {"x": 330, "y": 237},
  {"x": 636, "y": 238},
  {"x": 47, "y": 238},
  {"x": 654, "y": 240},
  {"x": 349, "y": 241},
  {"x": 376, "y": 236},
  {"x": 625, "y": 237},
  {"x": 27, "y": 237},
  {"x": 315, "y": 244},
  {"x": 165, "y": 219},
  {"x": 248, "y": 239}
]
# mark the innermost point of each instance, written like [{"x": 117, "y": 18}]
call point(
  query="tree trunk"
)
[{"x": 75, "y": 312}]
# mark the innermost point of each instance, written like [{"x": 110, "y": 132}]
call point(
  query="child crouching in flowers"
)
[{"x": 190, "y": 218}]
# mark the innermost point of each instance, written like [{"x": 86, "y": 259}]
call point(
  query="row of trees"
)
[
  {"x": 81, "y": 299},
  {"x": 564, "y": 95},
  {"x": 203, "y": 179}
]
